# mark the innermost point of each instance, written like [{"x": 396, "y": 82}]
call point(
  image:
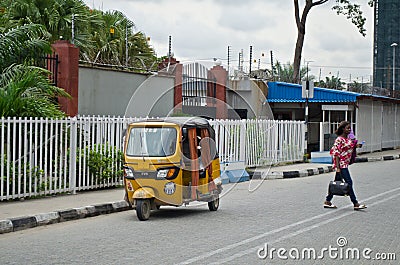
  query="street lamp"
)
[{"x": 394, "y": 44}]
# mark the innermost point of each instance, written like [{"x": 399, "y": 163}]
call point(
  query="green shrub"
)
[{"x": 104, "y": 161}]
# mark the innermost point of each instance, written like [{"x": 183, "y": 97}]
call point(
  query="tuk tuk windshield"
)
[{"x": 151, "y": 141}]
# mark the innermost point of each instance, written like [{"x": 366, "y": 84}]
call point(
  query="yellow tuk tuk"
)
[{"x": 170, "y": 161}]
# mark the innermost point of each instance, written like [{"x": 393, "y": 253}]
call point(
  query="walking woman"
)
[{"x": 341, "y": 152}]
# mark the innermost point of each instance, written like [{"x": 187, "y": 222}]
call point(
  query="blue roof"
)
[{"x": 286, "y": 92}]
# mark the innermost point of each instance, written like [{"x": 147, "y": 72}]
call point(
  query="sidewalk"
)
[{"x": 19, "y": 215}]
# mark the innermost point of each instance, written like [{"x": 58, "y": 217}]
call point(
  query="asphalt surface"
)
[{"x": 29, "y": 213}]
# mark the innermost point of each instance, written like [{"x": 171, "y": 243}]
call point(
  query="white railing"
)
[
  {"x": 259, "y": 142},
  {"x": 49, "y": 156}
]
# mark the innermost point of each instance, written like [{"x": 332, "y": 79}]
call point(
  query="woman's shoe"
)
[
  {"x": 358, "y": 206},
  {"x": 329, "y": 205}
]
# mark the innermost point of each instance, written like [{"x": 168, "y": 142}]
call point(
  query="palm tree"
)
[
  {"x": 109, "y": 38},
  {"x": 101, "y": 36},
  {"x": 359, "y": 87},
  {"x": 55, "y": 15},
  {"x": 331, "y": 82},
  {"x": 116, "y": 44},
  {"x": 25, "y": 90},
  {"x": 284, "y": 72}
]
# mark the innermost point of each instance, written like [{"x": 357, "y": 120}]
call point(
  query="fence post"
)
[
  {"x": 72, "y": 156},
  {"x": 243, "y": 145},
  {"x": 321, "y": 136}
]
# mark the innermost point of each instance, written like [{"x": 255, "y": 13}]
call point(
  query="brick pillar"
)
[
  {"x": 173, "y": 67},
  {"x": 68, "y": 75},
  {"x": 178, "y": 84},
  {"x": 221, "y": 76}
]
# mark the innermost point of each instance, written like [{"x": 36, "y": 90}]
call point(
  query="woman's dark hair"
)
[{"x": 341, "y": 127}]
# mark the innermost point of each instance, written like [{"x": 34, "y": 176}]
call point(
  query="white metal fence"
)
[
  {"x": 49, "y": 156},
  {"x": 259, "y": 142}
]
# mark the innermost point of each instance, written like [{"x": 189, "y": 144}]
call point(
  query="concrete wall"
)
[
  {"x": 378, "y": 125},
  {"x": 119, "y": 93},
  {"x": 246, "y": 94}
]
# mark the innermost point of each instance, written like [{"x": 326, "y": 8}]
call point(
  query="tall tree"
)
[{"x": 351, "y": 10}]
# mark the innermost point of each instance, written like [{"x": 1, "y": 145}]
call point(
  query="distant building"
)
[
  {"x": 386, "y": 32},
  {"x": 375, "y": 119}
]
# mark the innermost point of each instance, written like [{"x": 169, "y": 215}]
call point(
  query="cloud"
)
[{"x": 204, "y": 28}]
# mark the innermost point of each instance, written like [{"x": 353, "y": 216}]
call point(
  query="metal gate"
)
[{"x": 199, "y": 86}]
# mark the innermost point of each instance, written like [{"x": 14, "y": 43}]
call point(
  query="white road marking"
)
[
  {"x": 254, "y": 238},
  {"x": 306, "y": 229}
]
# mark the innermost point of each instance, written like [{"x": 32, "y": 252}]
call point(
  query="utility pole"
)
[
  {"x": 251, "y": 59},
  {"x": 229, "y": 58},
  {"x": 169, "y": 49},
  {"x": 394, "y": 66},
  {"x": 272, "y": 66}
]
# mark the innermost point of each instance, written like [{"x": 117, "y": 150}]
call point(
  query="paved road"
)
[{"x": 283, "y": 214}]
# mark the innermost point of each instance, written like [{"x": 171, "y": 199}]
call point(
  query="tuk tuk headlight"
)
[
  {"x": 129, "y": 173},
  {"x": 168, "y": 173},
  {"x": 162, "y": 173}
]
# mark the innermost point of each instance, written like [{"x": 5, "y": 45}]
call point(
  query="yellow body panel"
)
[{"x": 144, "y": 193}]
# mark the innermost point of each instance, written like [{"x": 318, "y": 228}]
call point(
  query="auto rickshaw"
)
[{"x": 170, "y": 161}]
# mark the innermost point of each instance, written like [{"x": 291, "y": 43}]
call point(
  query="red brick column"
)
[
  {"x": 178, "y": 84},
  {"x": 68, "y": 75},
  {"x": 221, "y": 76}
]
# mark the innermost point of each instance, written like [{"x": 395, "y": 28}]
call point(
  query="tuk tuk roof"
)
[{"x": 185, "y": 122}]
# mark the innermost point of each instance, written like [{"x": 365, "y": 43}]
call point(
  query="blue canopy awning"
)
[{"x": 279, "y": 92}]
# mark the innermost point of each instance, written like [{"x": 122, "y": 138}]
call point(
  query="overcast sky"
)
[{"x": 203, "y": 29}]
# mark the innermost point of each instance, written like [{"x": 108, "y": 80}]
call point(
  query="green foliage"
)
[
  {"x": 33, "y": 183},
  {"x": 25, "y": 90},
  {"x": 23, "y": 45},
  {"x": 113, "y": 37},
  {"x": 101, "y": 36},
  {"x": 104, "y": 161},
  {"x": 284, "y": 72},
  {"x": 54, "y": 15},
  {"x": 331, "y": 82},
  {"x": 352, "y": 12},
  {"x": 359, "y": 87}
]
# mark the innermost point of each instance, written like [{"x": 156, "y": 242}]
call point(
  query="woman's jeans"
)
[{"x": 346, "y": 176}]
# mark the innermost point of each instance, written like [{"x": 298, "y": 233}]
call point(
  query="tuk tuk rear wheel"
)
[
  {"x": 143, "y": 208},
  {"x": 214, "y": 204}
]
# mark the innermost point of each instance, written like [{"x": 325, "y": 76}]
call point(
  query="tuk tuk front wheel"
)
[
  {"x": 214, "y": 204},
  {"x": 143, "y": 208}
]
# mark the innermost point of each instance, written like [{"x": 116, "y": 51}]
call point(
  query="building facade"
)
[{"x": 386, "y": 44}]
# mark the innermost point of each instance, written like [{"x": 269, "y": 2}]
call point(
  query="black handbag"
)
[{"x": 338, "y": 186}]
